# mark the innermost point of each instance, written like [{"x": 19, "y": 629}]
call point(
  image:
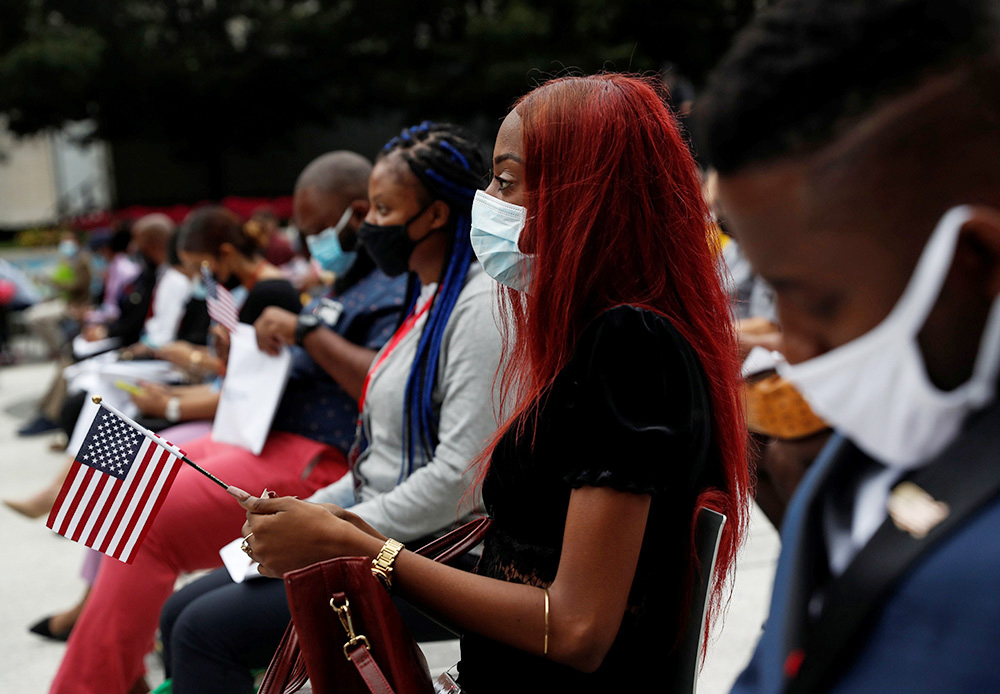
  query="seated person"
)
[
  {"x": 625, "y": 391},
  {"x": 305, "y": 450},
  {"x": 215, "y": 236},
  {"x": 215, "y": 631},
  {"x": 264, "y": 228},
  {"x": 71, "y": 279},
  {"x": 170, "y": 300},
  {"x": 121, "y": 271},
  {"x": 150, "y": 237},
  {"x": 128, "y": 294},
  {"x": 17, "y": 293}
]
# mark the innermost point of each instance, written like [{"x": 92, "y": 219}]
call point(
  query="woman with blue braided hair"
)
[
  {"x": 426, "y": 409},
  {"x": 421, "y": 193}
]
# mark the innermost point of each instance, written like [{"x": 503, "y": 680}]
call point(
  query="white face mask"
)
[
  {"x": 875, "y": 390},
  {"x": 496, "y": 229}
]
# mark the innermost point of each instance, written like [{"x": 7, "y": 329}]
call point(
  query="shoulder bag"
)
[{"x": 346, "y": 635}]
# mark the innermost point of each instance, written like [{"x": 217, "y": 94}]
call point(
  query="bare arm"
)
[
  {"x": 601, "y": 544},
  {"x": 196, "y": 402},
  {"x": 189, "y": 357}
]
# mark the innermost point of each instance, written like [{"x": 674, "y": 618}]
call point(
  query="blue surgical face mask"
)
[
  {"x": 326, "y": 249},
  {"x": 68, "y": 248},
  {"x": 198, "y": 290},
  {"x": 496, "y": 229}
]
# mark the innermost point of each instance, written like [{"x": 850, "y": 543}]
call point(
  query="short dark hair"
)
[
  {"x": 804, "y": 71},
  {"x": 207, "y": 228},
  {"x": 122, "y": 237}
]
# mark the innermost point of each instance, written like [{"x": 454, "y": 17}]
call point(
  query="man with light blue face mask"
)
[
  {"x": 327, "y": 250},
  {"x": 872, "y": 207},
  {"x": 326, "y": 214},
  {"x": 331, "y": 200}
]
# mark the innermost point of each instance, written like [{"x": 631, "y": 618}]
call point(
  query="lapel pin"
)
[{"x": 915, "y": 511}]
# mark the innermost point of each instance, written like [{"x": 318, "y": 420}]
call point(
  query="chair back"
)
[{"x": 707, "y": 534}]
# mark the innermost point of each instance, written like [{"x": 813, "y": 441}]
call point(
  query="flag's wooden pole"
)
[{"x": 158, "y": 441}]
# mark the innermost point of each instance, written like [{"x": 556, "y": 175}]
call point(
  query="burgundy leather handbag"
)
[{"x": 346, "y": 635}]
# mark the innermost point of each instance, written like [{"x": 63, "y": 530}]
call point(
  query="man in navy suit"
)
[{"x": 858, "y": 146}]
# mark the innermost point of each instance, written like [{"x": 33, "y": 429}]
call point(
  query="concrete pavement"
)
[{"x": 41, "y": 572}]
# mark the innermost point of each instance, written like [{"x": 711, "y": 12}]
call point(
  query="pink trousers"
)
[{"x": 116, "y": 629}]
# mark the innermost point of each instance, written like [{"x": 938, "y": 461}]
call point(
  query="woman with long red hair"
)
[{"x": 624, "y": 388}]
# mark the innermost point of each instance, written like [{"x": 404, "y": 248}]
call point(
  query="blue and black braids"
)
[{"x": 449, "y": 163}]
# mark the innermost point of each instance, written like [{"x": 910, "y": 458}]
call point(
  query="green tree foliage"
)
[{"x": 211, "y": 75}]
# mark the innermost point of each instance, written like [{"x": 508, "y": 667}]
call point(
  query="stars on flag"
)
[
  {"x": 111, "y": 446},
  {"x": 115, "y": 486}
]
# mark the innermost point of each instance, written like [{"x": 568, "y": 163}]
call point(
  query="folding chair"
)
[{"x": 707, "y": 534}]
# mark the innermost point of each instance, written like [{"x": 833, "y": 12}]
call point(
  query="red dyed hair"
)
[{"x": 616, "y": 216}]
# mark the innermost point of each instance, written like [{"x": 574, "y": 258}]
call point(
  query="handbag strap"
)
[
  {"x": 459, "y": 541},
  {"x": 287, "y": 671},
  {"x": 370, "y": 672},
  {"x": 357, "y": 651}
]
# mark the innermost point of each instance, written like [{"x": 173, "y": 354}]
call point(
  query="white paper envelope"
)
[
  {"x": 237, "y": 563},
  {"x": 250, "y": 393}
]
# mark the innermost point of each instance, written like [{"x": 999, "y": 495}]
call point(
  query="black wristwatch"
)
[{"x": 305, "y": 324}]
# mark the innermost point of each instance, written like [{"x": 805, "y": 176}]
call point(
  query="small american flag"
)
[
  {"x": 115, "y": 486},
  {"x": 220, "y": 302}
]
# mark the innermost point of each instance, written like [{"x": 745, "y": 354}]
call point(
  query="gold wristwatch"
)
[{"x": 382, "y": 563}]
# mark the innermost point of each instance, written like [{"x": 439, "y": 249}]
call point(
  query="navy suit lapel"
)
[
  {"x": 965, "y": 476},
  {"x": 793, "y": 582}
]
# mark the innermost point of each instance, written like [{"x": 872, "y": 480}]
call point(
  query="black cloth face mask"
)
[
  {"x": 232, "y": 283},
  {"x": 390, "y": 246}
]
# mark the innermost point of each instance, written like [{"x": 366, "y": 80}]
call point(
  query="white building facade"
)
[{"x": 47, "y": 177}]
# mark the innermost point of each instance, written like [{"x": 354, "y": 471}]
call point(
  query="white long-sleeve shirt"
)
[{"x": 170, "y": 298}]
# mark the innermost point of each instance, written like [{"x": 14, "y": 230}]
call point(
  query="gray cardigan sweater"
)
[{"x": 427, "y": 502}]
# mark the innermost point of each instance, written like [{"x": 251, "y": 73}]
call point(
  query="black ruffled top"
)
[{"x": 631, "y": 411}]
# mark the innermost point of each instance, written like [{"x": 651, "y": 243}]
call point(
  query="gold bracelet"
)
[
  {"x": 545, "y": 647},
  {"x": 382, "y": 563}
]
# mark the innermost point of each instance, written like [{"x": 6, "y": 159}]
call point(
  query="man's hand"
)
[{"x": 275, "y": 329}]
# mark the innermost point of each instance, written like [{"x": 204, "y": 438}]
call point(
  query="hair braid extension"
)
[{"x": 448, "y": 161}]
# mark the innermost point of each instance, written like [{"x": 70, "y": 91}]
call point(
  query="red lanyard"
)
[{"x": 397, "y": 337}]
